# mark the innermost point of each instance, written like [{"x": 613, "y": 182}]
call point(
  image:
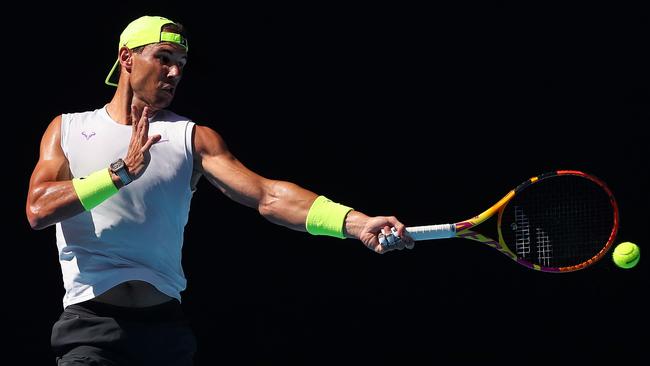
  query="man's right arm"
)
[{"x": 51, "y": 196}]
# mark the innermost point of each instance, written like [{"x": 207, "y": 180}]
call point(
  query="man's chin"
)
[{"x": 162, "y": 102}]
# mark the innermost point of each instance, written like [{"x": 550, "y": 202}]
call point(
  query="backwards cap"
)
[{"x": 143, "y": 31}]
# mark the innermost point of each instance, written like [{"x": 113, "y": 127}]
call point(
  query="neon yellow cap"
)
[{"x": 143, "y": 31}]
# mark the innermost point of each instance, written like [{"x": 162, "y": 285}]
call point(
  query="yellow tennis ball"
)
[{"x": 626, "y": 255}]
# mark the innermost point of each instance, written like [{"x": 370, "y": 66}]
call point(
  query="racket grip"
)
[{"x": 430, "y": 232}]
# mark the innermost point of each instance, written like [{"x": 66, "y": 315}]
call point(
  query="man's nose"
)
[{"x": 175, "y": 71}]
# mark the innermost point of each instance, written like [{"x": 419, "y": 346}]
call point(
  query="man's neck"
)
[{"x": 119, "y": 108}]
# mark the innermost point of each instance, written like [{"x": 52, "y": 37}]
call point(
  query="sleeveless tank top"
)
[{"x": 137, "y": 234}]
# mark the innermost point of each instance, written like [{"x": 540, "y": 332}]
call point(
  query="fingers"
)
[
  {"x": 144, "y": 120},
  {"x": 394, "y": 237},
  {"x": 396, "y": 224},
  {"x": 152, "y": 140},
  {"x": 147, "y": 140},
  {"x": 140, "y": 122},
  {"x": 376, "y": 246},
  {"x": 400, "y": 230},
  {"x": 135, "y": 116},
  {"x": 137, "y": 157}
]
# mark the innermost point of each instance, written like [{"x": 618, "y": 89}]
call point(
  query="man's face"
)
[{"x": 156, "y": 73}]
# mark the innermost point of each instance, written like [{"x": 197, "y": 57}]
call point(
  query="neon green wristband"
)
[
  {"x": 94, "y": 189},
  {"x": 326, "y": 218}
]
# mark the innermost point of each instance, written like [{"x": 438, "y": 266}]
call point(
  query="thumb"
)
[{"x": 152, "y": 140}]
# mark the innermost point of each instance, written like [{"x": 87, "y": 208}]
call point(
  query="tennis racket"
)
[{"x": 559, "y": 221}]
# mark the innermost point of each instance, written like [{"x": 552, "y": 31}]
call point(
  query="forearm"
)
[
  {"x": 52, "y": 202},
  {"x": 286, "y": 204},
  {"x": 49, "y": 202},
  {"x": 355, "y": 222}
]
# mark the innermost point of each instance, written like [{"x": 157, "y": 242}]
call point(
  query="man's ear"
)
[{"x": 126, "y": 58}]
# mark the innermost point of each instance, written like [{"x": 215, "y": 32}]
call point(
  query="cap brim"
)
[{"x": 112, "y": 78}]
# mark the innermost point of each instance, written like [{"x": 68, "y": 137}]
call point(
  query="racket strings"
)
[
  {"x": 522, "y": 233},
  {"x": 544, "y": 248},
  {"x": 523, "y": 242},
  {"x": 559, "y": 221}
]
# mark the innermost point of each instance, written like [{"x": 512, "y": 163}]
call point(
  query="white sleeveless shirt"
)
[{"x": 137, "y": 234}]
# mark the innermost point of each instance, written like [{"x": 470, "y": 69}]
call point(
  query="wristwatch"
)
[{"x": 119, "y": 168}]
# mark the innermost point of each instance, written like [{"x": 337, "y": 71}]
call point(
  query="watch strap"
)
[
  {"x": 124, "y": 176},
  {"x": 119, "y": 167}
]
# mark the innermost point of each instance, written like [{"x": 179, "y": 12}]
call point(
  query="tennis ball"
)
[{"x": 626, "y": 255}]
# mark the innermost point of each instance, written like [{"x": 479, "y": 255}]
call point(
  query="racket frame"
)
[{"x": 462, "y": 229}]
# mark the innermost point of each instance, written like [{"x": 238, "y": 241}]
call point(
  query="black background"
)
[{"x": 430, "y": 114}]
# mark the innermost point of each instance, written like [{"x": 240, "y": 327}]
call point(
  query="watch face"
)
[{"x": 117, "y": 165}]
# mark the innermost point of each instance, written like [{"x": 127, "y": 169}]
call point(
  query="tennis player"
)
[{"x": 117, "y": 182}]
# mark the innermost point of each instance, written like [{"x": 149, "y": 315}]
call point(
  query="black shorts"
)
[{"x": 92, "y": 333}]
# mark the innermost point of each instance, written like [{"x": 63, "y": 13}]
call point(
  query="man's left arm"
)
[{"x": 283, "y": 203}]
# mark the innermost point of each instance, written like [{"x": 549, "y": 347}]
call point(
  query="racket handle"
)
[
  {"x": 427, "y": 232},
  {"x": 430, "y": 232}
]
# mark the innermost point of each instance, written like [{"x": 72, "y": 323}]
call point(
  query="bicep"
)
[
  {"x": 52, "y": 165},
  {"x": 224, "y": 170},
  {"x": 51, "y": 197}
]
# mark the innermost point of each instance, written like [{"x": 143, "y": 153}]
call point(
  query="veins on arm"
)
[{"x": 283, "y": 203}]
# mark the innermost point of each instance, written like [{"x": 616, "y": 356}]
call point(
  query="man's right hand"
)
[{"x": 138, "y": 157}]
